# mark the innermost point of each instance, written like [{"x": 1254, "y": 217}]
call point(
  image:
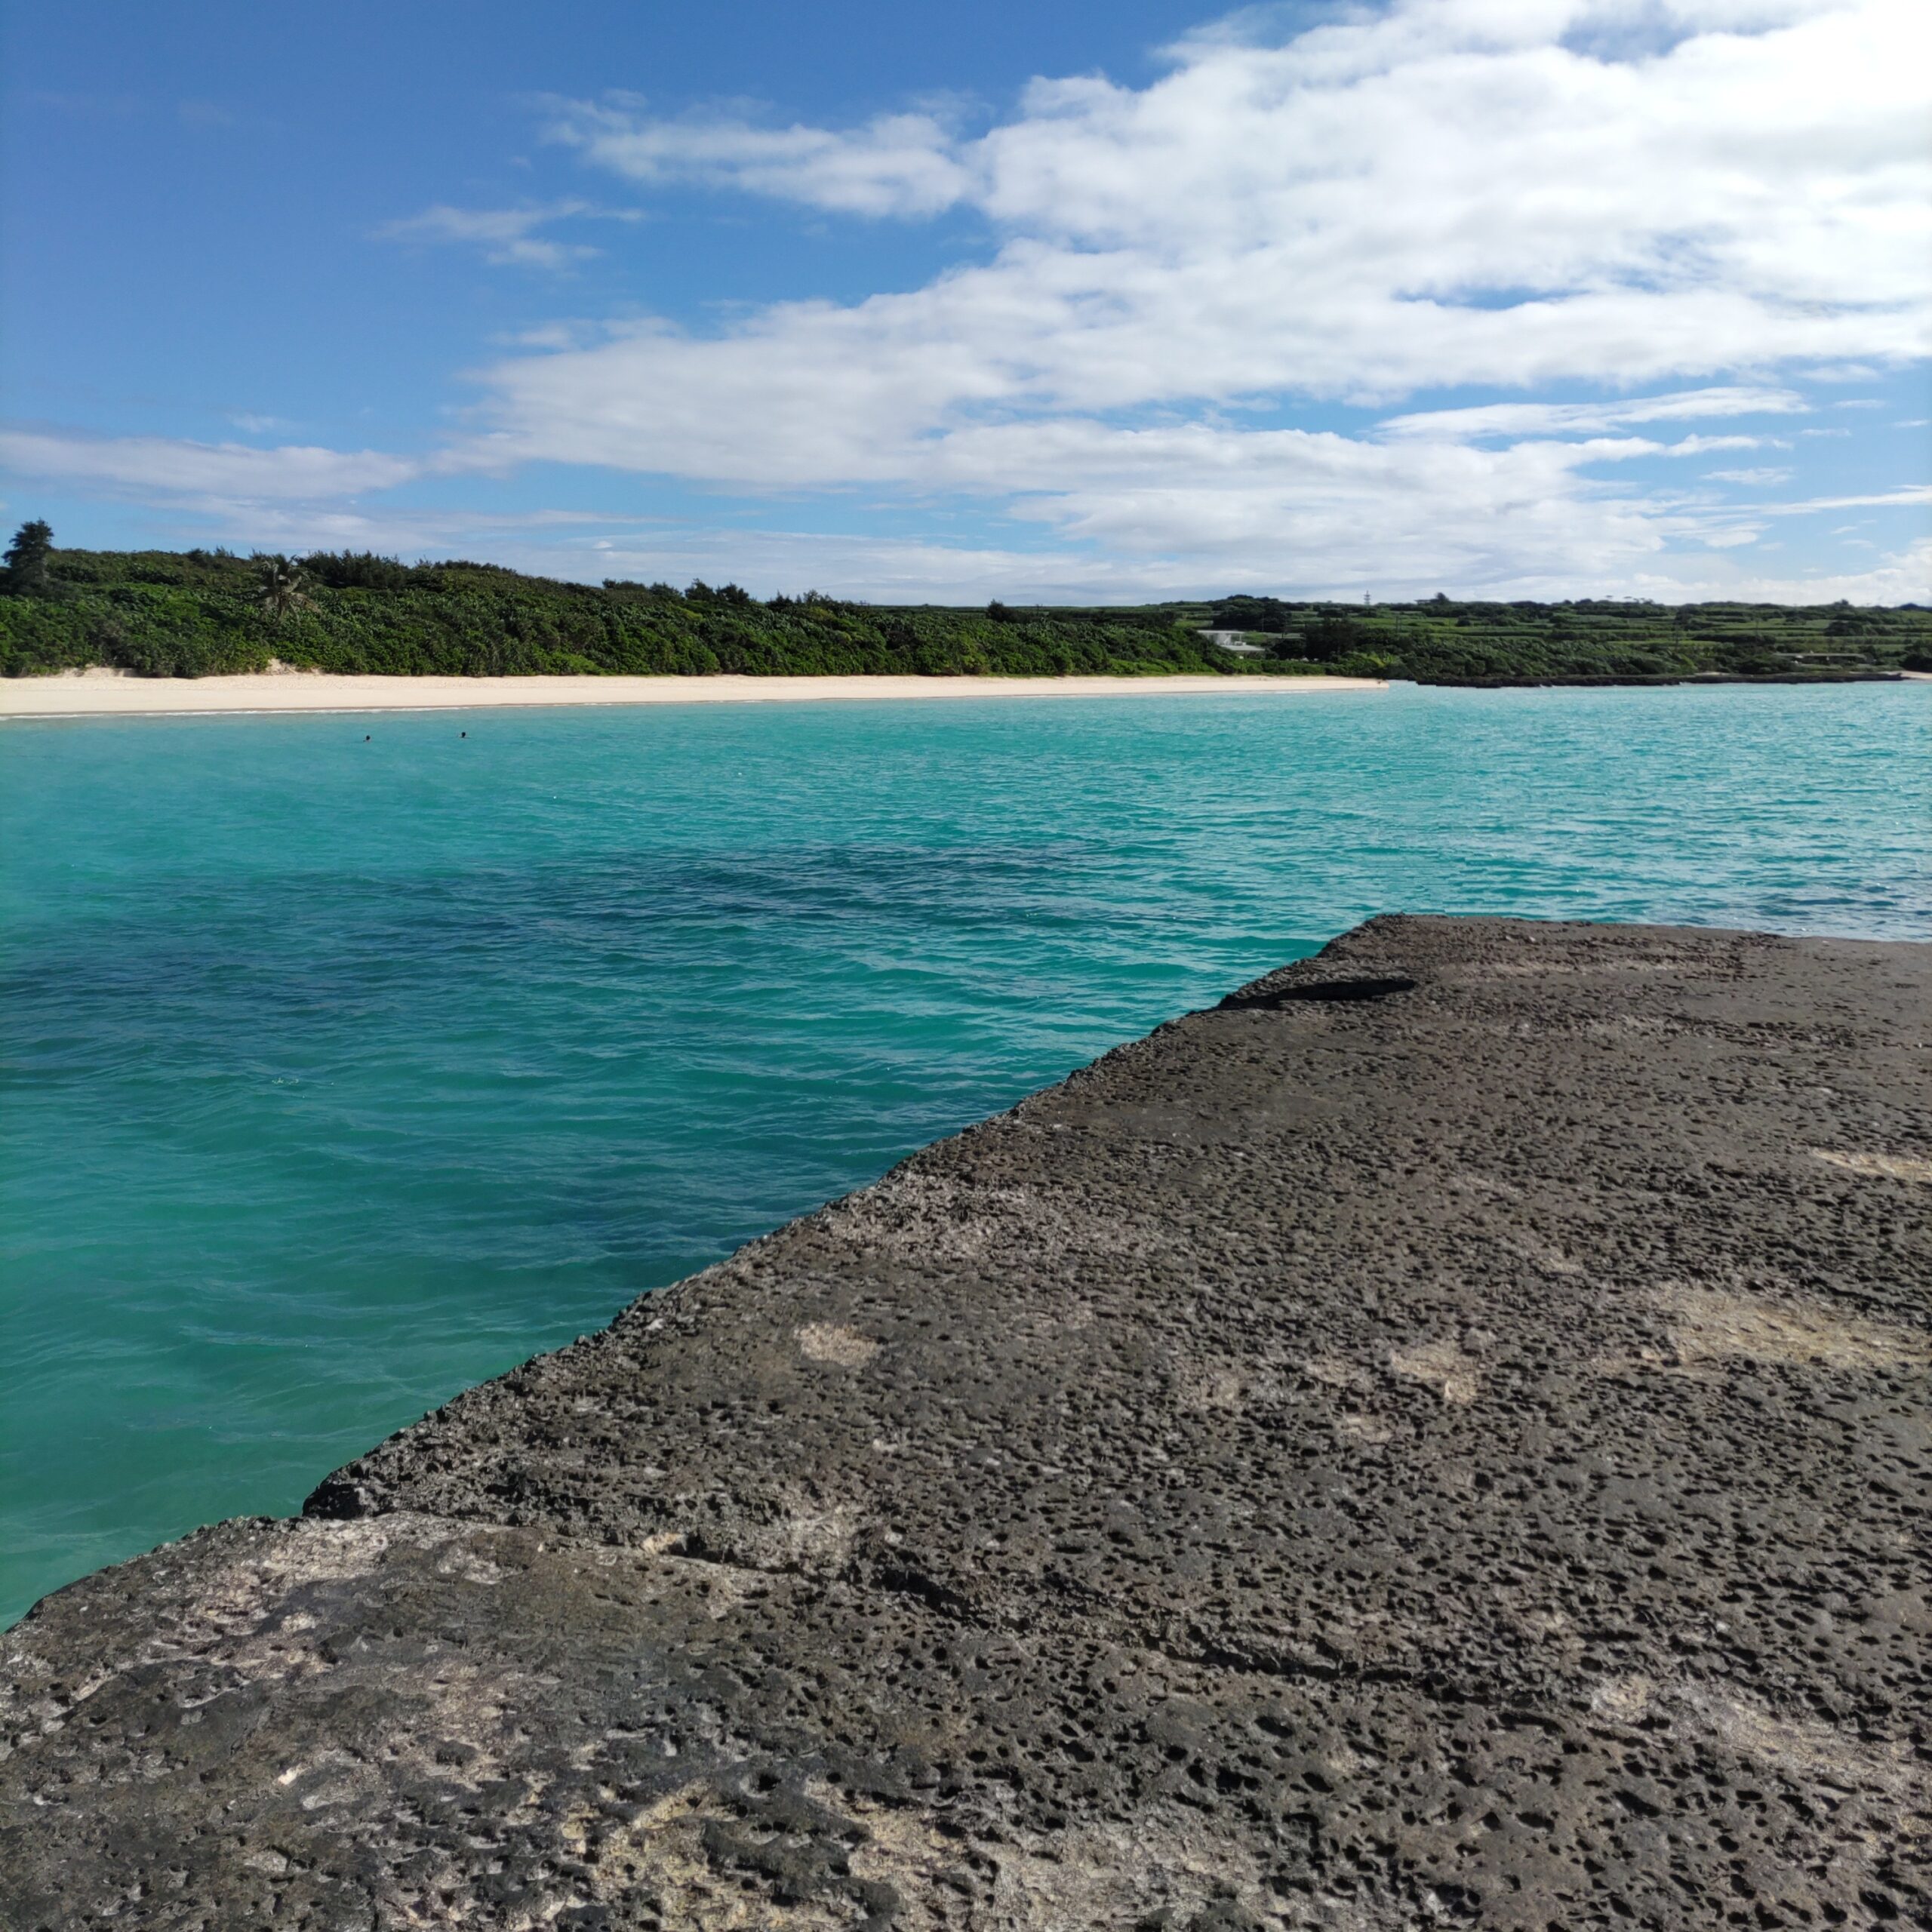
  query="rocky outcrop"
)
[{"x": 1440, "y": 1438}]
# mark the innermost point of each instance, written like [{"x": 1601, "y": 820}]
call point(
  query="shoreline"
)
[{"x": 99, "y": 695}]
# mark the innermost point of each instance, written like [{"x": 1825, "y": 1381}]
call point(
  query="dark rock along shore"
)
[{"x": 1457, "y": 1454}]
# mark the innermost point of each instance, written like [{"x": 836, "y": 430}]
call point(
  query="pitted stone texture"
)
[{"x": 1443, "y": 1438}]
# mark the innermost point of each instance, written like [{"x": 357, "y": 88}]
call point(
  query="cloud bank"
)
[
  {"x": 1451, "y": 194},
  {"x": 1185, "y": 296}
]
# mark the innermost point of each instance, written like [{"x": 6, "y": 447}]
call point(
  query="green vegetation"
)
[
  {"x": 279, "y": 587},
  {"x": 1610, "y": 640},
  {"x": 160, "y": 614},
  {"x": 27, "y": 557}
]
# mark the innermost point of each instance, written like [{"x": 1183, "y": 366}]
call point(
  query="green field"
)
[{"x": 164, "y": 613}]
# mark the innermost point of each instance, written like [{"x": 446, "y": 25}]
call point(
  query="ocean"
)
[{"x": 348, "y": 1060}]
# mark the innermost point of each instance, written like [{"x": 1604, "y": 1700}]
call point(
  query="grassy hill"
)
[{"x": 162, "y": 614}]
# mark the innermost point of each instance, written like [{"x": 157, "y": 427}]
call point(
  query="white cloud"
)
[
  {"x": 1684, "y": 208},
  {"x": 911, "y": 570},
  {"x": 506, "y": 236},
  {"x": 1904, "y": 576},
  {"x": 885, "y": 570},
  {"x": 172, "y": 466},
  {"x": 1900, "y": 499},
  {"x": 1767, "y": 475},
  {"x": 895, "y": 165},
  {"x": 1392, "y": 536},
  {"x": 535, "y": 538},
  {"x": 1443, "y": 195},
  {"x": 1703, "y": 445},
  {"x": 1551, "y": 419}
]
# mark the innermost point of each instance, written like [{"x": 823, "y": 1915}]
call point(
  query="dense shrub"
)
[
  {"x": 355, "y": 570},
  {"x": 191, "y": 614}
]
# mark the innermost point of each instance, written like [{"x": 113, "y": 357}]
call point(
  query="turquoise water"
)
[{"x": 339, "y": 1074}]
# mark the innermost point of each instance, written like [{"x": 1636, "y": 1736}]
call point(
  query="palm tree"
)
[
  {"x": 27, "y": 560},
  {"x": 278, "y": 586}
]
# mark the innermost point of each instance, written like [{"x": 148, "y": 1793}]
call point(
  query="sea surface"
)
[{"x": 349, "y": 1060}]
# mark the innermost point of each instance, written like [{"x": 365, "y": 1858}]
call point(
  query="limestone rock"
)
[{"x": 1442, "y": 1438}]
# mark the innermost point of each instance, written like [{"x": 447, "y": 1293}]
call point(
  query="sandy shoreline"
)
[{"x": 101, "y": 694}]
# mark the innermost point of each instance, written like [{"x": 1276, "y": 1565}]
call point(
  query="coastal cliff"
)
[{"x": 1441, "y": 1437}]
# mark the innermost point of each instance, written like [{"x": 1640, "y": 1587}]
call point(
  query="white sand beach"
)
[{"x": 100, "y": 694}]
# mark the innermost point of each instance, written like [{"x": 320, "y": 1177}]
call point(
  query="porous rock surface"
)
[{"x": 1441, "y": 1439}]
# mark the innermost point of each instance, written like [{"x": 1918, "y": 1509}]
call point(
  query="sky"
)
[{"x": 1083, "y": 303}]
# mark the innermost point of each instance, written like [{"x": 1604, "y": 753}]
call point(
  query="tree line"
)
[{"x": 195, "y": 613}]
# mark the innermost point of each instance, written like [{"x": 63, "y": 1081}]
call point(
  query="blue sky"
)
[{"x": 1527, "y": 298}]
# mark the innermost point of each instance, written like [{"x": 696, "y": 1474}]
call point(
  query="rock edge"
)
[{"x": 1442, "y": 1437}]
